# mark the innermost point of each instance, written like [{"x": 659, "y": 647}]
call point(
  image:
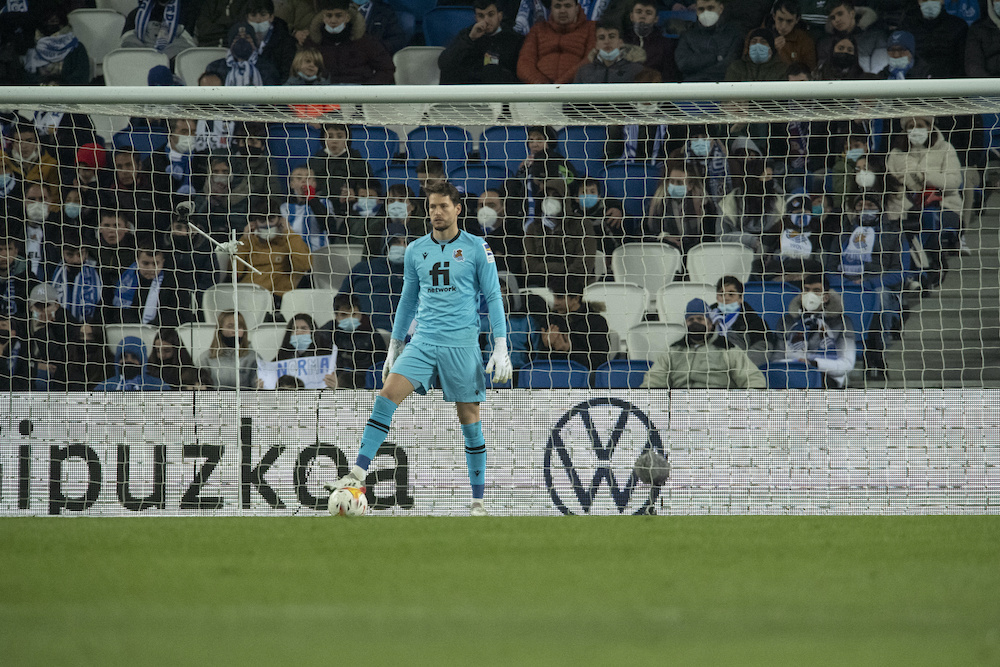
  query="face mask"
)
[
  {"x": 366, "y": 206},
  {"x": 697, "y": 330},
  {"x": 676, "y": 191},
  {"x": 729, "y": 308},
  {"x": 396, "y": 254},
  {"x": 551, "y": 206},
  {"x": 37, "y": 211},
  {"x": 817, "y": 209},
  {"x": 397, "y": 211},
  {"x": 643, "y": 29},
  {"x": 699, "y": 147},
  {"x": 610, "y": 56},
  {"x": 349, "y": 324},
  {"x": 812, "y": 302},
  {"x": 708, "y": 19},
  {"x": 267, "y": 233},
  {"x": 800, "y": 219},
  {"x": 262, "y": 26},
  {"x": 854, "y": 154},
  {"x": 19, "y": 154},
  {"x": 487, "y": 217},
  {"x": 184, "y": 144},
  {"x": 899, "y": 63},
  {"x": 131, "y": 371},
  {"x": 931, "y": 10},
  {"x": 760, "y": 53},
  {"x": 588, "y": 201},
  {"x": 918, "y": 135},
  {"x": 865, "y": 179},
  {"x": 309, "y": 78},
  {"x": 842, "y": 60},
  {"x": 221, "y": 179},
  {"x": 335, "y": 30},
  {"x": 869, "y": 217},
  {"x": 300, "y": 341},
  {"x": 242, "y": 50},
  {"x": 72, "y": 210},
  {"x": 228, "y": 341}
]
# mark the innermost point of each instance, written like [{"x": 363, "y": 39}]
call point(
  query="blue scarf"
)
[
  {"x": 303, "y": 222},
  {"x": 812, "y": 334},
  {"x": 718, "y": 182},
  {"x": 129, "y": 285},
  {"x": 243, "y": 72},
  {"x": 9, "y": 305},
  {"x": 632, "y": 143},
  {"x": 170, "y": 27},
  {"x": 179, "y": 169},
  {"x": 49, "y": 50},
  {"x": 81, "y": 297}
]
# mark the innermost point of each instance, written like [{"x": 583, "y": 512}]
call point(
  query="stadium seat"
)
[
  {"x": 92, "y": 27},
  {"x": 266, "y": 339},
  {"x": 332, "y": 263},
  {"x": 401, "y": 173},
  {"x": 792, "y": 375},
  {"x": 197, "y": 338},
  {"x": 448, "y": 143},
  {"x": 543, "y": 292},
  {"x": 377, "y": 145},
  {"x": 130, "y": 67},
  {"x": 505, "y": 147},
  {"x": 621, "y": 374},
  {"x": 553, "y": 375},
  {"x": 123, "y": 7},
  {"x": 633, "y": 183},
  {"x": 417, "y": 66},
  {"x": 417, "y": 8},
  {"x": 672, "y": 300},
  {"x": 113, "y": 334},
  {"x": 624, "y": 304},
  {"x": 315, "y": 302},
  {"x": 107, "y": 126},
  {"x": 190, "y": 64},
  {"x": 255, "y": 302},
  {"x": 707, "y": 262},
  {"x": 860, "y": 306},
  {"x": 651, "y": 265},
  {"x": 474, "y": 179},
  {"x": 584, "y": 147},
  {"x": 441, "y": 24},
  {"x": 143, "y": 140},
  {"x": 291, "y": 145},
  {"x": 407, "y": 24},
  {"x": 651, "y": 339},
  {"x": 770, "y": 300},
  {"x": 373, "y": 378}
]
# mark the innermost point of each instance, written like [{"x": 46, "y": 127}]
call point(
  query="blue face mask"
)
[
  {"x": 817, "y": 209},
  {"x": 5, "y": 180},
  {"x": 677, "y": 191},
  {"x": 899, "y": 63},
  {"x": 396, "y": 253},
  {"x": 729, "y": 308},
  {"x": 366, "y": 206},
  {"x": 610, "y": 56},
  {"x": 588, "y": 201},
  {"x": 300, "y": 341},
  {"x": 699, "y": 147},
  {"x": 801, "y": 219},
  {"x": 760, "y": 53},
  {"x": 349, "y": 323},
  {"x": 72, "y": 210},
  {"x": 310, "y": 79},
  {"x": 854, "y": 154}
]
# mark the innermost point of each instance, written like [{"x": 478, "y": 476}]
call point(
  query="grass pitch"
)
[{"x": 561, "y": 591}]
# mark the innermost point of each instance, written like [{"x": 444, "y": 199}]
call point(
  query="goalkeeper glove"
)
[
  {"x": 499, "y": 363},
  {"x": 395, "y": 347}
]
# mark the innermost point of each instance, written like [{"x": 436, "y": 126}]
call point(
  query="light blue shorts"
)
[{"x": 457, "y": 370}]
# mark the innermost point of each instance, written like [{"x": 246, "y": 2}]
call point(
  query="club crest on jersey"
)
[
  {"x": 489, "y": 253},
  {"x": 458, "y": 255}
]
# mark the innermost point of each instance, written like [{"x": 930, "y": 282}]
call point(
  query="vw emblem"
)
[{"x": 590, "y": 455}]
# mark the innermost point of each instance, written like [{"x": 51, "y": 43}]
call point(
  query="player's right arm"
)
[{"x": 405, "y": 312}]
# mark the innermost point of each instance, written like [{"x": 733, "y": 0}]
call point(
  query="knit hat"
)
[
  {"x": 696, "y": 307},
  {"x": 92, "y": 155},
  {"x": 904, "y": 40}
]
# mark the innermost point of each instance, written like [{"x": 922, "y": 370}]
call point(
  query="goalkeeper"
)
[{"x": 443, "y": 275}]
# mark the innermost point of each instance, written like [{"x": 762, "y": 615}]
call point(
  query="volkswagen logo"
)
[{"x": 590, "y": 455}]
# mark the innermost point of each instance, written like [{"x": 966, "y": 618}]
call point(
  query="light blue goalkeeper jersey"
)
[{"x": 441, "y": 287}]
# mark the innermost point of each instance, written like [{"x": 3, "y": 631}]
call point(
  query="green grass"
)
[{"x": 566, "y": 591}]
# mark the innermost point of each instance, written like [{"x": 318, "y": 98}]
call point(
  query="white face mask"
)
[
  {"x": 812, "y": 302},
  {"x": 918, "y": 135},
  {"x": 267, "y": 233},
  {"x": 996, "y": 8},
  {"x": 36, "y": 211},
  {"x": 72, "y": 210},
  {"x": 487, "y": 217},
  {"x": 220, "y": 179},
  {"x": 335, "y": 30},
  {"x": 397, "y": 211},
  {"x": 708, "y": 19},
  {"x": 551, "y": 206},
  {"x": 729, "y": 308},
  {"x": 262, "y": 26},
  {"x": 396, "y": 254},
  {"x": 366, "y": 206},
  {"x": 865, "y": 179},
  {"x": 931, "y": 10},
  {"x": 184, "y": 143}
]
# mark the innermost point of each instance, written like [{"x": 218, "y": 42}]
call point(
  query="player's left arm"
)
[{"x": 489, "y": 284}]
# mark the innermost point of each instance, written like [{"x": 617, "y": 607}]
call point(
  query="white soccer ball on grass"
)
[{"x": 348, "y": 502}]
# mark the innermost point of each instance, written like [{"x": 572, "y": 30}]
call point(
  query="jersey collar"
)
[{"x": 444, "y": 243}]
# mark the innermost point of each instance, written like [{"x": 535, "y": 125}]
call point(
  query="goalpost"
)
[{"x": 894, "y": 412}]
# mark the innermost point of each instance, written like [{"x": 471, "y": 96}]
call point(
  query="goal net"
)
[{"x": 788, "y": 290}]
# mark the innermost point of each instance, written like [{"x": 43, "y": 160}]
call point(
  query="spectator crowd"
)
[{"x": 112, "y": 230}]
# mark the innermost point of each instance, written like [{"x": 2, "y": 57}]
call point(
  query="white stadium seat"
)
[
  {"x": 672, "y": 300},
  {"x": 707, "y": 262},
  {"x": 651, "y": 339},
  {"x": 256, "y": 303}
]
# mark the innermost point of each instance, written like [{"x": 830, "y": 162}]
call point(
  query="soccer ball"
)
[{"x": 348, "y": 502}]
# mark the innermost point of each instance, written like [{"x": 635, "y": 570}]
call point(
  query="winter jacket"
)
[
  {"x": 715, "y": 364},
  {"x": 226, "y": 371},
  {"x": 747, "y": 228},
  {"x": 552, "y": 52},
  {"x": 659, "y": 52},
  {"x": 489, "y": 59},
  {"x": 923, "y": 168},
  {"x": 941, "y": 42},
  {"x": 378, "y": 284},
  {"x": 704, "y": 54},
  {"x": 298, "y": 14},
  {"x": 282, "y": 261},
  {"x": 982, "y": 46},
  {"x": 215, "y": 18},
  {"x": 886, "y": 260},
  {"x": 799, "y": 48},
  {"x": 333, "y": 172},
  {"x": 745, "y": 69},
  {"x": 566, "y": 250},
  {"x": 14, "y": 290},
  {"x": 825, "y": 338},
  {"x": 382, "y": 24},
  {"x": 42, "y": 168},
  {"x": 353, "y": 56},
  {"x": 143, "y": 382},
  {"x": 746, "y": 330},
  {"x": 623, "y": 70},
  {"x": 872, "y": 42}
]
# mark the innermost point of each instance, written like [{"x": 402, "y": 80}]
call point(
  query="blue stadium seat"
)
[
  {"x": 860, "y": 306},
  {"x": 505, "y": 147},
  {"x": 553, "y": 375},
  {"x": 441, "y": 24},
  {"x": 473, "y": 179},
  {"x": 633, "y": 183},
  {"x": 291, "y": 145},
  {"x": 401, "y": 173},
  {"x": 770, "y": 300},
  {"x": 621, "y": 374},
  {"x": 583, "y": 146},
  {"x": 407, "y": 23},
  {"x": 447, "y": 142},
  {"x": 373, "y": 378},
  {"x": 142, "y": 140},
  {"x": 376, "y": 144},
  {"x": 416, "y": 8},
  {"x": 792, "y": 375}
]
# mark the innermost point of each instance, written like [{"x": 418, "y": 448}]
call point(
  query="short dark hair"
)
[
  {"x": 798, "y": 69},
  {"x": 324, "y": 5},
  {"x": 446, "y": 189},
  {"x": 148, "y": 246},
  {"x": 729, "y": 280},
  {"x": 841, "y": 3},
  {"x": 400, "y": 190},
  {"x": 290, "y": 382},
  {"x": 433, "y": 166},
  {"x": 813, "y": 278},
  {"x": 608, "y": 24},
  {"x": 257, "y": 6},
  {"x": 485, "y": 4},
  {"x": 337, "y": 126},
  {"x": 644, "y": 3},
  {"x": 346, "y": 300},
  {"x": 791, "y": 6}
]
